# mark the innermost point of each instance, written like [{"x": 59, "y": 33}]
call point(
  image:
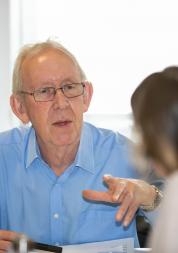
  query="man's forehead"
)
[
  {"x": 48, "y": 53},
  {"x": 34, "y": 66},
  {"x": 50, "y": 60}
]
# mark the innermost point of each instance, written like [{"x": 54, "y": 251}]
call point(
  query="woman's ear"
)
[
  {"x": 87, "y": 95},
  {"x": 18, "y": 107}
]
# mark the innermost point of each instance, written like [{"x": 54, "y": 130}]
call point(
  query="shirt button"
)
[{"x": 56, "y": 216}]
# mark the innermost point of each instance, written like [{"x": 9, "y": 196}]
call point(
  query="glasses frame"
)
[{"x": 55, "y": 91}]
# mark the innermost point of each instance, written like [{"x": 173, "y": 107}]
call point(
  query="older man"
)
[{"x": 45, "y": 168}]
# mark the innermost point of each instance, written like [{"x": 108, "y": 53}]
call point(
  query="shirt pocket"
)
[{"x": 98, "y": 224}]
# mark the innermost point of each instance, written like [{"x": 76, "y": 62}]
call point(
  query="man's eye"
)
[
  {"x": 69, "y": 87},
  {"x": 44, "y": 91}
]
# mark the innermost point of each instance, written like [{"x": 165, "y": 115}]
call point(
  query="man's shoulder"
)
[
  {"x": 111, "y": 152},
  {"x": 104, "y": 135},
  {"x": 14, "y": 136}
]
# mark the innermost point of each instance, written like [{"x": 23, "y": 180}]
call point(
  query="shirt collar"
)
[
  {"x": 85, "y": 155},
  {"x": 32, "y": 148}
]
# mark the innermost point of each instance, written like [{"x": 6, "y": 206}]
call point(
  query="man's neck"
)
[{"x": 59, "y": 158}]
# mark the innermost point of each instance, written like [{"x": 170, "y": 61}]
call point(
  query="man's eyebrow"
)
[
  {"x": 53, "y": 82},
  {"x": 69, "y": 80}
]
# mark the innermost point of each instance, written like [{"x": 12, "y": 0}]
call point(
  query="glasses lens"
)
[
  {"x": 44, "y": 94},
  {"x": 73, "y": 90}
]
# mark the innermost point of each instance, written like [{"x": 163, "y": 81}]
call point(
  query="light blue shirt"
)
[{"x": 50, "y": 209}]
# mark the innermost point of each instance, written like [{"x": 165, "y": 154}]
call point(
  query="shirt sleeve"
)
[{"x": 3, "y": 176}]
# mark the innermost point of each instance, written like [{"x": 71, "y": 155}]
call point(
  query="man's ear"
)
[
  {"x": 18, "y": 107},
  {"x": 87, "y": 95}
]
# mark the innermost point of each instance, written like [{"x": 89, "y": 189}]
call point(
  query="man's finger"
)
[
  {"x": 5, "y": 245},
  {"x": 123, "y": 208},
  {"x": 7, "y": 235},
  {"x": 119, "y": 192},
  {"x": 130, "y": 214},
  {"x": 116, "y": 185},
  {"x": 109, "y": 180},
  {"x": 97, "y": 196}
]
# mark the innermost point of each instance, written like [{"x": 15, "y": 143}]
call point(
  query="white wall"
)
[
  {"x": 5, "y": 80},
  {"x": 116, "y": 42}
]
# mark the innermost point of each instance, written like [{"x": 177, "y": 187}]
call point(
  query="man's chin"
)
[{"x": 64, "y": 141}]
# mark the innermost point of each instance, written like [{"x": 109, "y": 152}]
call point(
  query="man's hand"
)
[
  {"x": 6, "y": 237},
  {"x": 128, "y": 193}
]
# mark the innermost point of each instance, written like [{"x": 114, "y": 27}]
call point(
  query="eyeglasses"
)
[{"x": 46, "y": 94}]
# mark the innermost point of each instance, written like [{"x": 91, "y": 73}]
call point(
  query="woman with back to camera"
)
[{"x": 155, "y": 109}]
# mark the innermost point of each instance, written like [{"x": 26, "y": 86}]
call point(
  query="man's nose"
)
[{"x": 60, "y": 99}]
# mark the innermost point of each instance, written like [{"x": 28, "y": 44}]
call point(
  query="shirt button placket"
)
[
  {"x": 56, "y": 216},
  {"x": 56, "y": 223}
]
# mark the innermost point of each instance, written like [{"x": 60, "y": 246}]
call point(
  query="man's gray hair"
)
[{"x": 30, "y": 50}]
